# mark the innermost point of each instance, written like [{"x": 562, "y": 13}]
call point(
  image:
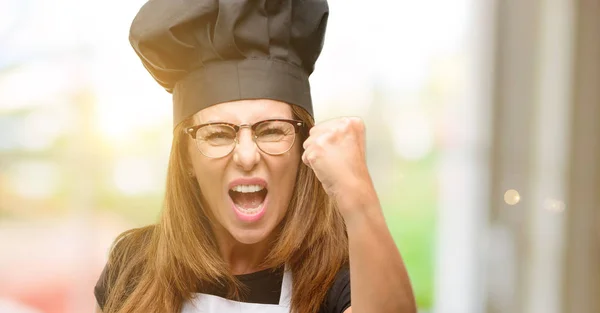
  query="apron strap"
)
[{"x": 286, "y": 288}]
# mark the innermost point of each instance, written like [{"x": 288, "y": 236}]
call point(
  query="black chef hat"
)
[{"x": 206, "y": 52}]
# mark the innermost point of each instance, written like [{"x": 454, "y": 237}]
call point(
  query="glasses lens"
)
[
  {"x": 215, "y": 140},
  {"x": 275, "y": 137}
]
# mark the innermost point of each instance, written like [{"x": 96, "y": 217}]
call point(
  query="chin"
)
[{"x": 250, "y": 236}]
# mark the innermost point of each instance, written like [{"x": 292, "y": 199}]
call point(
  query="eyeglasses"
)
[{"x": 273, "y": 136}]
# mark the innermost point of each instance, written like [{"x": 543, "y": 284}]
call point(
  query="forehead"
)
[{"x": 244, "y": 111}]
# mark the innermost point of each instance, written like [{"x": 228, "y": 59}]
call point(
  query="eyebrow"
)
[{"x": 269, "y": 118}]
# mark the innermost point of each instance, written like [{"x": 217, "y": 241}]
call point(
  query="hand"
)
[{"x": 335, "y": 150}]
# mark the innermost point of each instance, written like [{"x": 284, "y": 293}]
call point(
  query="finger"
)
[
  {"x": 322, "y": 127},
  {"x": 308, "y": 142},
  {"x": 305, "y": 159},
  {"x": 332, "y": 132},
  {"x": 335, "y": 121},
  {"x": 311, "y": 140},
  {"x": 315, "y": 130}
]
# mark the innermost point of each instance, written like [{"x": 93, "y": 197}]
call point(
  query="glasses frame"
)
[{"x": 193, "y": 130}]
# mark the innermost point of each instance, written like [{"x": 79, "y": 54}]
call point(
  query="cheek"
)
[
  {"x": 209, "y": 177},
  {"x": 287, "y": 170}
]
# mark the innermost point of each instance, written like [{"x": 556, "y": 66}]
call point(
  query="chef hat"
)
[{"x": 207, "y": 52}]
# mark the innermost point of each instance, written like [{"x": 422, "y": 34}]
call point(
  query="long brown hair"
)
[{"x": 157, "y": 267}]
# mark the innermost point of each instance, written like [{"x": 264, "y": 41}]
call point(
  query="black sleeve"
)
[
  {"x": 338, "y": 297},
  {"x": 100, "y": 289},
  {"x": 127, "y": 246}
]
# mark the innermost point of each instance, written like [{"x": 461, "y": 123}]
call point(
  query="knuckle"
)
[
  {"x": 311, "y": 157},
  {"x": 356, "y": 121},
  {"x": 320, "y": 142},
  {"x": 357, "y": 124},
  {"x": 346, "y": 121},
  {"x": 352, "y": 122},
  {"x": 306, "y": 143},
  {"x": 313, "y": 130},
  {"x": 336, "y": 130}
]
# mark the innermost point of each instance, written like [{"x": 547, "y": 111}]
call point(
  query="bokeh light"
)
[{"x": 512, "y": 197}]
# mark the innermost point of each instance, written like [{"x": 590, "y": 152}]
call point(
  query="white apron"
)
[{"x": 205, "y": 303}]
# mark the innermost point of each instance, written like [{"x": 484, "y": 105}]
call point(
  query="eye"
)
[
  {"x": 271, "y": 131},
  {"x": 274, "y": 131},
  {"x": 216, "y": 134}
]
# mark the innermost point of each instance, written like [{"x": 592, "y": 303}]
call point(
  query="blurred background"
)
[{"x": 483, "y": 126}]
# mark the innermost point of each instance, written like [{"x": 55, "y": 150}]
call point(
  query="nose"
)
[{"x": 245, "y": 153}]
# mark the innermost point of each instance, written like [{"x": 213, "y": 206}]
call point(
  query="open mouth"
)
[{"x": 248, "y": 199}]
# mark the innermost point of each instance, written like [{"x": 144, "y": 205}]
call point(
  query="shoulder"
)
[
  {"x": 132, "y": 241},
  {"x": 338, "y": 296},
  {"x": 129, "y": 247},
  {"x": 126, "y": 259}
]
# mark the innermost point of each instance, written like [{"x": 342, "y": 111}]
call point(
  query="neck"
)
[{"x": 242, "y": 258}]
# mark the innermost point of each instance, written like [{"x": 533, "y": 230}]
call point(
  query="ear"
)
[
  {"x": 187, "y": 163},
  {"x": 184, "y": 151}
]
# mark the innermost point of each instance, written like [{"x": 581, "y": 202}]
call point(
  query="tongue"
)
[{"x": 248, "y": 200}]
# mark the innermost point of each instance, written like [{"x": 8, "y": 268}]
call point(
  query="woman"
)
[{"x": 264, "y": 211}]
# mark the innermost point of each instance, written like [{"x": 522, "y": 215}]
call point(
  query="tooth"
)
[
  {"x": 249, "y": 210},
  {"x": 247, "y": 188}
]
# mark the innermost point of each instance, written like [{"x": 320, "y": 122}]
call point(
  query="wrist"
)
[{"x": 359, "y": 204}]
